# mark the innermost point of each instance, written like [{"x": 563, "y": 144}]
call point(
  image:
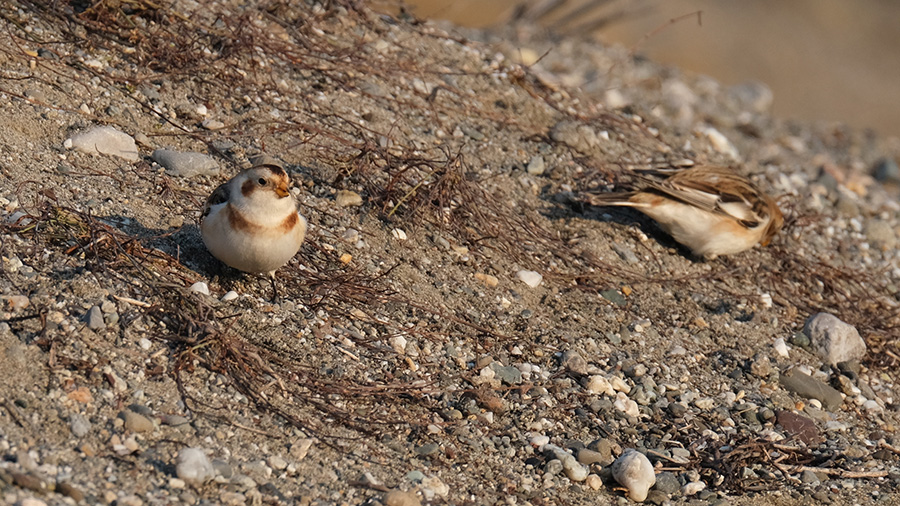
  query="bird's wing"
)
[
  {"x": 717, "y": 190},
  {"x": 219, "y": 196}
]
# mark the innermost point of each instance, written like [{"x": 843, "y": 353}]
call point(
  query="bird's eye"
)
[{"x": 261, "y": 181}]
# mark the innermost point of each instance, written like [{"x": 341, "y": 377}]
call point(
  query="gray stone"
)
[
  {"x": 614, "y": 296},
  {"x": 805, "y": 385},
  {"x": 880, "y": 234},
  {"x": 79, "y": 425},
  {"x": 588, "y": 457},
  {"x": 194, "y": 467},
  {"x": 223, "y": 469},
  {"x": 576, "y": 135},
  {"x": 667, "y": 483},
  {"x": 174, "y": 420},
  {"x": 886, "y": 170},
  {"x": 508, "y": 374},
  {"x": 833, "y": 340},
  {"x": 604, "y": 447},
  {"x": 536, "y": 166},
  {"x": 136, "y": 422},
  {"x": 656, "y": 497},
  {"x": 427, "y": 449},
  {"x": 95, "y": 319},
  {"x": 572, "y": 361},
  {"x": 846, "y": 206},
  {"x": 186, "y": 164},
  {"x": 105, "y": 140},
  {"x": 809, "y": 477},
  {"x": 625, "y": 253}
]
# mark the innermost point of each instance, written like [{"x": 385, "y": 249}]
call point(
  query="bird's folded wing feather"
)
[
  {"x": 219, "y": 196},
  {"x": 721, "y": 193}
]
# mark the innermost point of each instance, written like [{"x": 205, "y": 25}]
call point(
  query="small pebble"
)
[
  {"x": 781, "y": 347},
  {"x": 200, "y": 287},
  {"x": 95, "y": 319},
  {"x": 229, "y": 295},
  {"x": 693, "y": 487},
  {"x": 79, "y": 425},
  {"x": 530, "y": 278},
  {"x": 399, "y": 234},
  {"x": 536, "y": 166}
]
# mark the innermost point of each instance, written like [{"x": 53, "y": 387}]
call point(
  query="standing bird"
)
[
  {"x": 710, "y": 210},
  {"x": 252, "y": 223}
]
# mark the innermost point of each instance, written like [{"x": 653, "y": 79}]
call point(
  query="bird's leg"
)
[{"x": 275, "y": 298}]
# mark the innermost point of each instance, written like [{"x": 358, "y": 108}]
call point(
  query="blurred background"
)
[{"x": 830, "y": 60}]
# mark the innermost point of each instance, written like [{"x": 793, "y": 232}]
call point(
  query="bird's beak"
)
[{"x": 282, "y": 191}]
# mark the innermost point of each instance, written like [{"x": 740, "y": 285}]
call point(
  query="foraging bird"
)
[
  {"x": 252, "y": 223},
  {"x": 710, "y": 210}
]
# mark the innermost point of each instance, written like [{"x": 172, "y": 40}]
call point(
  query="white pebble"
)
[
  {"x": 634, "y": 472},
  {"x": 200, "y": 287},
  {"x": 194, "y": 467},
  {"x": 693, "y": 487},
  {"x": 619, "y": 384},
  {"x": 229, "y": 295},
  {"x": 871, "y": 406},
  {"x": 599, "y": 385},
  {"x": 398, "y": 234},
  {"x": 721, "y": 143},
  {"x": 530, "y": 278},
  {"x": 104, "y": 140},
  {"x": 766, "y": 300},
  {"x": 539, "y": 440},
  {"x": 626, "y": 405},
  {"x": 398, "y": 343},
  {"x": 144, "y": 343},
  {"x": 781, "y": 348},
  {"x": 574, "y": 470}
]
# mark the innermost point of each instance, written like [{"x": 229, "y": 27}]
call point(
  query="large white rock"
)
[
  {"x": 105, "y": 140},
  {"x": 833, "y": 340},
  {"x": 634, "y": 471}
]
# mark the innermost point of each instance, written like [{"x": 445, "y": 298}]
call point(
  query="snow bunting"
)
[
  {"x": 710, "y": 210},
  {"x": 252, "y": 223}
]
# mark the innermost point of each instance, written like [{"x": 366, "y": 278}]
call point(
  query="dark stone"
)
[
  {"x": 798, "y": 426},
  {"x": 667, "y": 483},
  {"x": 806, "y": 386}
]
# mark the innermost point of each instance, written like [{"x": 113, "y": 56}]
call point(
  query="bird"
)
[
  {"x": 711, "y": 210},
  {"x": 252, "y": 223}
]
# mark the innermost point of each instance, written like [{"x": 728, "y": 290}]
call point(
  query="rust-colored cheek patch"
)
[
  {"x": 289, "y": 223},
  {"x": 238, "y": 222},
  {"x": 247, "y": 188}
]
